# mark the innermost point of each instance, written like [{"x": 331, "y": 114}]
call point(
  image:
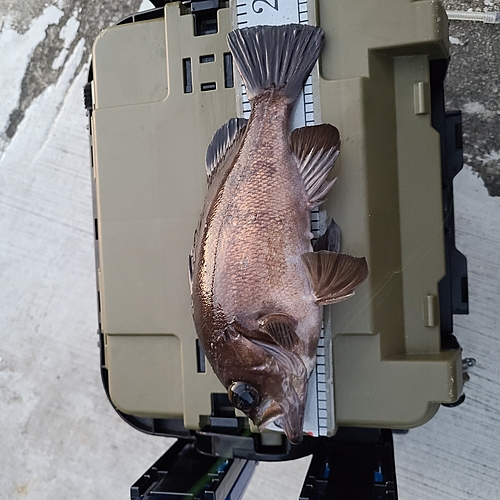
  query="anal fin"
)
[{"x": 334, "y": 276}]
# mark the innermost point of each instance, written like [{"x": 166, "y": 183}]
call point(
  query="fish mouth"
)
[
  {"x": 289, "y": 416},
  {"x": 293, "y": 433}
]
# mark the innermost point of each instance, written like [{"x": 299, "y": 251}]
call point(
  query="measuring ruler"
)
[{"x": 317, "y": 419}]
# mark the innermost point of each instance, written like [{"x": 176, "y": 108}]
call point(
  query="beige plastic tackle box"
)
[{"x": 161, "y": 84}]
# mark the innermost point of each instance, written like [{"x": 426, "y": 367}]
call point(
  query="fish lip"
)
[
  {"x": 263, "y": 425},
  {"x": 287, "y": 414},
  {"x": 292, "y": 435}
]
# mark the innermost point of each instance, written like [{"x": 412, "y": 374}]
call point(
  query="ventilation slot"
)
[
  {"x": 188, "y": 75},
  {"x": 207, "y": 59},
  {"x": 208, "y": 86},
  {"x": 228, "y": 71},
  {"x": 200, "y": 358}
]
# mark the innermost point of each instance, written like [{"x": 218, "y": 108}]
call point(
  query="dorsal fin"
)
[
  {"x": 334, "y": 276},
  {"x": 316, "y": 149},
  {"x": 281, "y": 328},
  {"x": 222, "y": 141}
]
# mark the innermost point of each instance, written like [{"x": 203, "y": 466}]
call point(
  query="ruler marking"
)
[{"x": 320, "y": 377}]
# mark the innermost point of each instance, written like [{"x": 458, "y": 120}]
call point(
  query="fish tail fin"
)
[{"x": 279, "y": 56}]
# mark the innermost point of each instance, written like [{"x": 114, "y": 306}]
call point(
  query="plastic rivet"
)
[
  {"x": 431, "y": 310},
  {"x": 421, "y": 101}
]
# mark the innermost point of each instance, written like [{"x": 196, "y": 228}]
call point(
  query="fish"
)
[{"x": 258, "y": 286}]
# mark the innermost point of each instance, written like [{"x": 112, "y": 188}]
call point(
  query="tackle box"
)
[{"x": 161, "y": 83}]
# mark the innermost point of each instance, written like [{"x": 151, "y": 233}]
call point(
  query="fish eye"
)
[{"x": 243, "y": 396}]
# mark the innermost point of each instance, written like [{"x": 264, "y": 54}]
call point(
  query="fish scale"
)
[{"x": 273, "y": 228}]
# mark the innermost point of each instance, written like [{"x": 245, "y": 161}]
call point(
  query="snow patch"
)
[
  {"x": 15, "y": 55},
  {"x": 59, "y": 60},
  {"x": 476, "y": 213},
  {"x": 34, "y": 128},
  {"x": 145, "y": 5},
  {"x": 478, "y": 108},
  {"x": 68, "y": 34},
  {"x": 490, "y": 157},
  {"x": 474, "y": 108},
  {"x": 455, "y": 41}
]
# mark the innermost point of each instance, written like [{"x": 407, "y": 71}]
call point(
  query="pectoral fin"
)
[
  {"x": 334, "y": 276},
  {"x": 259, "y": 335},
  {"x": 274, "y": 329},
  {"x": 281, "y": 328}
]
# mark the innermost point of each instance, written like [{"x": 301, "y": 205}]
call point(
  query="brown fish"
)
[{"x": 257, "y": 286}]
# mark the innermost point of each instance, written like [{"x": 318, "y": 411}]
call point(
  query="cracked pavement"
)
[
  {"x": 68, "y": 22},
  {"x": 60, "y": 437},
  {"x": 473, "y": 86}
]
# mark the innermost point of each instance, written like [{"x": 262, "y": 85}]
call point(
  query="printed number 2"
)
[{"x": 260, "y": 9}]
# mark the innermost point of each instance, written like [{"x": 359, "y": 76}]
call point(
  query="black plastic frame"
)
[
  {"x": 453, "y": 288},
  {"x": 356, "y": 464}
]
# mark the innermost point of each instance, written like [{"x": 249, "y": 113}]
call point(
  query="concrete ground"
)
[{"x": 59, "y": 437}]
